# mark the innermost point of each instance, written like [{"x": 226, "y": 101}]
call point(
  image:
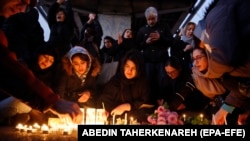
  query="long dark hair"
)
[{"x": 136, "y": 57}]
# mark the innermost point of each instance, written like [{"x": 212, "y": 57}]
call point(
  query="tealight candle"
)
[
  {"x": 201, "y": 116},
  {"x": 45, "y": 129},
  {"x": 131, "y": 120},
  {"x": 29, "y": 129},
  {"x": 125, "y": 119},
  {"x": 184, "y": 117},
  {"x": 114, "y": 119},
  {"x": 66, "y": 131},
  {"x": 19, "y": 127}
]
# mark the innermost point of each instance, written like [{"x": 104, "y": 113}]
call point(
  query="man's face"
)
[{"x": 151, "y": 20}]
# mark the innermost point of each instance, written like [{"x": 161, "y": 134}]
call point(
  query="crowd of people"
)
[{"x": 206, "y": 70}]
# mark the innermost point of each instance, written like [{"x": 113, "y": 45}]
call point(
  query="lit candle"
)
[
  {"x": 114, "y": 119},
  {"x": 19, "y": 127},
  {"x": 131, "y": 120},
  {"x": 45, "y": 129},
  {"x": 29, "y": 129},
  {"x": 36, "y": 126},
  {"x": 184, "y": 117},
  {"x": 201, "y": 116},
  {"x": 66, "y": 131},
  {"x": 125, "y": 119}
]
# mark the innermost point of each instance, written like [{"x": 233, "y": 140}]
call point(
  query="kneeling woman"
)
[{"x": 128, "y": 91}]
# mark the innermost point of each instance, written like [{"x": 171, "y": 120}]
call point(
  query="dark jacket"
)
[
  {"x": 157, "y": 51},
  {"x": 61, "y": 33},
  {"x": 119, "y": 90},
  {"x": 182, "y": 90},
  {"x": 17, "y": 80},
  {"x": 72, "y": 85},
  {"x": 109, "y": 54},
  {"x": 97, "y": 31},
  {"x": 25, "y": 34}
]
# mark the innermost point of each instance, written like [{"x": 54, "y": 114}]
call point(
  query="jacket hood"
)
[{"x": 79, "y": 49}]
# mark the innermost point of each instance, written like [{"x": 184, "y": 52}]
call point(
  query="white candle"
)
[
  {"x": 201, "y": 116},
  {"x": 131, "y": 120},
  {"x": 125, "y": 119},
  {"x": 29, "y": 129},
  {"x": 114, "y": 119},
  {"x": 45, "y": 129},
  {"x": 184, "y": 117}
]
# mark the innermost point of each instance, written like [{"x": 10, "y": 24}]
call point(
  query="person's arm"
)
[
  {"x": 52, "y": 13},
  {"x": 24, "y": 77}
]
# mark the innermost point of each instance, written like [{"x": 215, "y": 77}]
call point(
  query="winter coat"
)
[{"x": 73, "y": 85}]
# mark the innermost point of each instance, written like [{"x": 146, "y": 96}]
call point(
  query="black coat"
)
[{"x": 25, "y": 34}]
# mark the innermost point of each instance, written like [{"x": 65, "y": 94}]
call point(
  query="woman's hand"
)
[
  {"x": 119, "y": 110},
  {"x": 84, "y": 96},
  {"x": 220, "y": 117}
]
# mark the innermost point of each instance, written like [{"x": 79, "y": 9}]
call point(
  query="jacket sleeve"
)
[{"x": 181, "y": 95}]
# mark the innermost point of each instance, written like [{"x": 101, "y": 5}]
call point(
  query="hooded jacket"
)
[{"x": 73, "y": 84}]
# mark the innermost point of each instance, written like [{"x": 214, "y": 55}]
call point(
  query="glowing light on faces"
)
[
  {"x": 199, "y": 60},
  {"x": 190, "y": 31},
  {"x": 130, "y": 69},
  {"x": 45, "y": 61},
  {"x": 172, "y": 72},
  {"x": 80, "y": 66}
]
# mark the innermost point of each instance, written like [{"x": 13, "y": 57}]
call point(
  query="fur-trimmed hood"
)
[{"x": 94, "y": 66}]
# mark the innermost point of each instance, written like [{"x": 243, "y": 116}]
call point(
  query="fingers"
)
[{"x": 77, "y": 115}]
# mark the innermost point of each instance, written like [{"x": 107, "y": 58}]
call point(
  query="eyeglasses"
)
[{"x": 198, "y": 58}]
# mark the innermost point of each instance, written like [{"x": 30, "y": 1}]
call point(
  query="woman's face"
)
[
  {"x": 128, "y": 34},
  {"x": 11, "y": 7},
  {"x": 80, "y": 66},
  {"x": 130, "y": 69},
  {"x": 60, "y": 16},
  {"x": 107, "y": 43},
  {"x": 190, "y": 30},
  {"x": 45, "y": 61},
  {"x": 172, "y": 72},
  {"x": 200, "y": 60}
]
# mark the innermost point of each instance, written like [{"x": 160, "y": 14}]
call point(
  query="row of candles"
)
[
  {"x": 124, "y": 121},
  {"x": 184, "y": 117},
  {"x": 46, "y": 129}
]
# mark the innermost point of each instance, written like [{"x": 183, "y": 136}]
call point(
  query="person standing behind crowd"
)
[
  {"x": 94, "y": 24},
  {"x": 90, "y": 44},
  {"x": 186, "y": 35},
  {"x": 62, "y": 26},
  {"x": 154, "y": 40},
  {"x": 79, "y": 84},
  {"x": 126, "y": 42},
  {"x": 109, "y": 51},
  {"x": 128, "y": 90},
  {"x": 19, "y": 81}
]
